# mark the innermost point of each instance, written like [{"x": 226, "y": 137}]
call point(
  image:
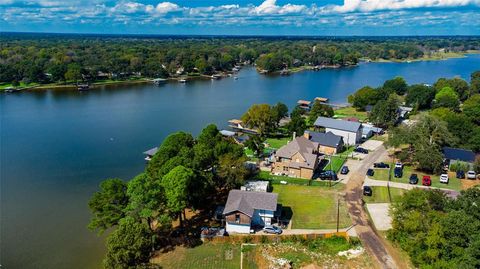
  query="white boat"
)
[
  {"x": 159, "y": 81},
  {"x": 235, "y": 78},
  {"x": 182, "y": 80}
]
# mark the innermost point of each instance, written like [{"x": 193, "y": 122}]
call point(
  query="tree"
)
[
  {"x": 255, "y": 143},
  {"x": 385, "y": 114},
  {"x": 461, "y": 126},
  {"x": 319, "y": 109},
  {"x": 129, "y": 245},
  {"x": 397, "y": 85},
  {"x": 297, "y": 123},
  {"x": 259, "y": 116},
  {"x": 420, "y": 96},
  {"x": 146, "y": 198},
  {"x": 232, "y": 170},
  {"x": 459, "y": 86},
  {"x": 428, "y": 156},
  {"x": 363, "y": 97},
  {"x": 73, "y": 72},
  {"x": 279, "y": 111},
  {"x": 108, "y": 204},
  {"x": 471, "y": 108},
  {"x": 175, "y": 185},
  {"x": 447, "y": 97},
  {"x": 475, "y": 82}
]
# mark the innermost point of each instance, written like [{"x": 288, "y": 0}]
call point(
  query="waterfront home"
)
[
  {"x": 246, "y": 209},
  {"x": 453, "y": 155},
  {"x": 328, "y": 143},
  {"x": 238, "y": 125},
  {"x": 321, "y": 99},
  {"x": 298, "y": 158},
  {"x": 304, "y": 104},
  {"x": 350, "y": 131},
  {"x": 149, "y": 153}
]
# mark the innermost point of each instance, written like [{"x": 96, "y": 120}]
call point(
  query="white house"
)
[
  {"x": 350, "y": 131},
  {"x": 245, "y": 209}
]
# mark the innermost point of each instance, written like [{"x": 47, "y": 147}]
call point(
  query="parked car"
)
[
  {"x": 460, "y": 174},
  {"x": 370, "y": 172},
  {"x": 344, "y": 170},
  {"x": 471, "y": 175},
  {"x": 381, "y": 165},
  {"x": 361, "y": 150},
  {"x": 399, "y": 165},
  {"x": 398, "y": 172},
  {"x": 444, "y": 178},
  {"x": 413, "y": 179},
  {"x": 367, "y": 191},
  {"x": 270, "y": 229},
  {"x": 426, "y": 181},
  {"x": 329, "y": 174}
]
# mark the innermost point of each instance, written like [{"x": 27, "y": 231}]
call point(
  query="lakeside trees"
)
[
  {"x": 62, "y": 58},
  {"x": 186, "y": 172}
]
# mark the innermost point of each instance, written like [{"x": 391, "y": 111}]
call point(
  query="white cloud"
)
[
  {"x": 270, "y": 7},
  {"x": 166, "y": 7},
  {"x": 376, "y": 5}
]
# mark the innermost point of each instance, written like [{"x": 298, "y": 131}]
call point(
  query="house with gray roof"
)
[
  {"x": 351, "y": 131},
  {"x": 298, "y": 158},
  {"x": 328, "y": 143},
  {"x": 245, "y": 209}
]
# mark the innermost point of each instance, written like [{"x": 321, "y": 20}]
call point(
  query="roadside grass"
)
[
  {"x": 206, "y": 256},
  {"x": 453, "y": 184},
  {"x": 380, "y": 195},
  {"x": 312, "y": 207},
  {"x": 347, "y": 112},
  {"x": 249, "y": 256},
  {"x": 276, "y": 143},
  {"x": 275, "y": 180}
]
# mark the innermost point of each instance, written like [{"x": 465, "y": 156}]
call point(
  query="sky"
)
[{"x": 243, "y": 17}]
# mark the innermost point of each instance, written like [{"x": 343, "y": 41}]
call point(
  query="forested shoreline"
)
[{"x": 67, "y": 59}]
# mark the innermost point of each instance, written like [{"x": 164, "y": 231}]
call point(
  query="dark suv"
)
[
  {"x": 367, "y": 191},
  {"x": 328, "y": 175},
  {"x": 460, "y": 174},
  {"x": 398, "y": 172},
  {"x": 381, "y": 165},
  {"x": 344, "y": 170},
  {"x": 361, "y": 150},
  {"x": 413, "y": 179}
]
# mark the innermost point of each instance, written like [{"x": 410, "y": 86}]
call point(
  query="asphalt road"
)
[{"x": 370, "y": 240}]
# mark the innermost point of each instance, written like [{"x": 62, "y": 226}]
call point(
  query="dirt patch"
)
[{"x": 468, "y": 183}]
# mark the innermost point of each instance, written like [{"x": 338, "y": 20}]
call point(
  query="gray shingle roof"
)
[
  {"x": 247, "y": 201},
  {"x": 303, "y": 146},
  {"x": 151, "y": 151},
  {"x": 344, "y": 125},
  {"x": 328, "y": 139}
]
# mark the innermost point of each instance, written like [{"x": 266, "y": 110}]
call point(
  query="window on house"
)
[
  {"x": 285, "y": 168},
  {"x": 237, "y": 218}
]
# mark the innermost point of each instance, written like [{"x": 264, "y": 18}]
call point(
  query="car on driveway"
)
[
  {"x": 398, "y": 172},
  {"x": 413, "y": 179},
  {"x": 367, "y": 191},
  {"x": 444, "y": 178},
  {"x": 381, "y": 165},
  {"x": 426, "y": 181},
  {"x": 344, "y": 170},
  {"x": 328, "y": 175},
  {"x": 471, "y": 175},
  {"x": 270, "y": 229},
  {"x": 361, "y": 150},
  {"x": 370, "y": 172},
  {"x": 460, "y": 174}
]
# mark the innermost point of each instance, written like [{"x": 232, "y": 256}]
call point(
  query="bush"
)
[
  {"x": 248, "y": 239},
  {"x": 459, "y": 166}
]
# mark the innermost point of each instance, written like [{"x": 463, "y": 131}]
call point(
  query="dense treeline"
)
[
  {"x": 446, "y": 113},
  {"x": 185, "y": 173},
  {"x": 436, "y": 231},
  {"x": 61, "y": 58}
]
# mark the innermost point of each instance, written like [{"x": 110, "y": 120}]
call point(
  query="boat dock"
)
[{"x": 149, "y": 153}]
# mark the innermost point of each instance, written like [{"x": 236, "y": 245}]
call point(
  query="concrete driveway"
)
[
  {"x": 371, "y": 144},
  {"x": 380, "y": 216}
]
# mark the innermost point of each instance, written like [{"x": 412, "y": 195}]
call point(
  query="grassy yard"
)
[
  {"x": 205, "y": 256},
  {"x": 347, "y": 112},
  {"x": 380, "y": 195},
  {"x": 276, "y": 143},
  {"x": 275, "y": 180},
  {"x": 3, "y": 86},
  {"x": 312, "y": 207},
  {"x": 382, "y": 174}
]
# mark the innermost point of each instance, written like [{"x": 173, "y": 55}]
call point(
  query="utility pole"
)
[{"x": 338, "y": 213}]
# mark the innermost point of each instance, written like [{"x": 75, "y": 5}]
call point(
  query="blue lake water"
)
[{"x": 56, "y": 146}]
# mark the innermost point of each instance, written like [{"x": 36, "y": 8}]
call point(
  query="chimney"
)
[
  {"x": 306, "y": 134},
  {"x": 294, "y": 135}
]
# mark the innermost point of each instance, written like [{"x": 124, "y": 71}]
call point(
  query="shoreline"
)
[{"x": 97, "y": 85}]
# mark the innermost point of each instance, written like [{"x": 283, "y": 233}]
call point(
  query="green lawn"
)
[
  {"x": 382, "y": 174},
  {"x": 205, "y": 256},
  {"x": 276, "y": 143},
  {"x": 347, "y": 112},
  {"x": 380, "y": 195},
  {"x": 337, "y": 163},
  {"x": 346, "y": 153},
  {"x": 275, "y": 180},
  {"x": 3, "y": 86},
  {"x": 312, "y": 207}
]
